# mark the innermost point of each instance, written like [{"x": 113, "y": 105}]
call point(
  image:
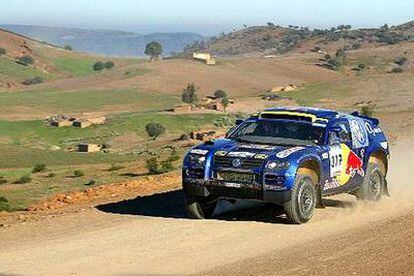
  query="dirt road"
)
[{"x": 150, "y": 235}]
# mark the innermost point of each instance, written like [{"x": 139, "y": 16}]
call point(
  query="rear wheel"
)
[
  {"x": 200, "y": 207},
  {"x": 301, "y": 206},
  {"x": 372, "y": 184}
]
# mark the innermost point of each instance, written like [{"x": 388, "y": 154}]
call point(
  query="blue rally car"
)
[{"x": 290, "y": 157}]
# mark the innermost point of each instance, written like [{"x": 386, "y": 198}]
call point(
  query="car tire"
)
[
  {"x": 199, "y": 208},
  {"x": 301, "y": 206},
  {"x": 372, "y": 185}
]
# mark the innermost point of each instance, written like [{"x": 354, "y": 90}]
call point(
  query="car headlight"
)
[
  {"x": 197, "y": 159},
  {"x": 276, "y": 165}
]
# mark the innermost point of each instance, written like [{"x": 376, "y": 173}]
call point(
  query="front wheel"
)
[
  {"x": 198, "y": 207},
  {"x": 301, "y": 206},
  {"x": 372, "y": 185}
]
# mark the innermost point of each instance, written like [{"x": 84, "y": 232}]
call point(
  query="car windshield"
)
[{"x": 278, "y": 132}]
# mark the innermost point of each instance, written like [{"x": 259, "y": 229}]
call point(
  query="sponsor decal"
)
[
  {"x": 199, "y": 151},
  {"x": 331, "y": 184},
  {"x": 384, "y": 145},
  {"x": 220, "y": 153},
  {"x": 261, "y": 156},
  {"x": 344, "y": 164},
  {"x": 372, "y": 131},
  {"x": 359, "y": 134},
  {"x": 243, "y": 154},
  {"x": 325, "y": 155},
  {"x": 274, "y": 187},
  {"x": 256, "y": 146},
  {"x": 285, "y": 153}
]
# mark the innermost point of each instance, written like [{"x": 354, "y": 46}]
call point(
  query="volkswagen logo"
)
[{"x": 236, "y": 162}]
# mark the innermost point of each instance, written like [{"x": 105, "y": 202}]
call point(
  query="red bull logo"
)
[{"x": 354, "y": 165}]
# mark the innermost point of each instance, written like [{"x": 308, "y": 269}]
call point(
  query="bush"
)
[
  {"x": 356, "y": 46},
  {"x": 225, "y": 121},
  {"x": 397, "y": 69},
  {"x": 361, "y": 66},
  {"x": 4, "y": 204},
  {"x": 174, "y": 155},
  {"x": 155, "y": 129},
  {"x": 189, "y": 94},
  {"x": 400, "y": 61},
  {"x": 68, "y": 47},
  {"x": 31, "y": 81},
  {"x": 3, "y": 180},
  {"x": 90, "y": 182},
  {"x": 152, "y": 165},
  {"x": 166, "y": 166},
  {"x": 2, "y": 51},
  {"x": 25, "y": 60},
  {"x": 51, "y": 175},
  {"x": 328, "y": 57},
  {"x": 99, "y": 66},
  {"x": 367, "y": 110},
  {"x": 78, "y": 173},
  {"x": 24, "y": 179},
  {"x": 220, "y": 94},
  {"x": 109, "y": 65},
  {"x": 114, "y": 167},
  {"x": 39, "y": 167}
]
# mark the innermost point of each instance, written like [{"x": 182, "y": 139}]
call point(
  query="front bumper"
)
[{"x": 205, "y": 188}]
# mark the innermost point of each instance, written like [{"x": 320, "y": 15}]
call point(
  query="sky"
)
[{"x": 207, "y": 17}]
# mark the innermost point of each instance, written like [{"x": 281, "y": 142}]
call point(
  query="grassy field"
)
[
  {"x": 84, "y": 100},
  {"x": 75, "y": 66},
  {"x": 20, "y": 72}
]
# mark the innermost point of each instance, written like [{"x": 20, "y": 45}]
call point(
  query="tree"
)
[
  {"x": 340, "y": 56},
  {"x": 109, "y": 65},
  {"x": 220, "y": 94},
  {"x": 98, "y": 66},
  {"x": 155, "y": 129},
  {"x": 154, "y": 50},
  {"x": 2, "y": 51},
  {"x": 25, "y": 60},
  {"x": 68, "y": 47},
  {"x": 189, "y": 94}
]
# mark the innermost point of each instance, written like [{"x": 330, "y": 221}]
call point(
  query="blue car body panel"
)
[{"x": 341, "y": 166}]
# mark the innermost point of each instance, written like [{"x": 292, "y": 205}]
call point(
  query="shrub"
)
[
  {"x": 152, "y": 165},
  {"x": 225, "y": 121},
  {"x": 220, "y": 94},
  {"x": 2, "y": 51},
  {"x": 4, "y": 204},
  {"x": 400, "y": 61},
  {"x": 397, "y": 69},
  {"x": 328, "y": 57},
  {"x": 361, "y": 66},
  {"x": 24, "y": 179},
  {"x": 174, "y": 156},
  {"x": 78, "y": 173},
  {"x": 99, "y": 66},
  {"x": 39, "y": 167},
  {"x": 31, "y": 81},
  {"x": 114, "y": 167},
  {"x": 25, "y": 60},
  {"x": 155, "y": 129},
  {"x": 189, "y": 94},
  {"x": 109, "y": 65},
  {"x": 166, "y": 166},
  {"x": 51, "y": 175},
  {"x": 367, "y": 110},
  {"x": 90, "y": 182},
  {"x": 3, "y": 180},
  {"x": 356, "y": 46},
  {"x": 68, "y": 47}
]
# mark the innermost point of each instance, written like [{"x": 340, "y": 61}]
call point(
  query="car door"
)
[{"x": 342, "y": 159}]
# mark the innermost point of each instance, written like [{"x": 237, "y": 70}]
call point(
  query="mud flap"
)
[{"x": 319, "y": 202}]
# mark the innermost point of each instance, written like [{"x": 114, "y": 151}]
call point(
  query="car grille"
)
[{"x": 246, "y": 163}]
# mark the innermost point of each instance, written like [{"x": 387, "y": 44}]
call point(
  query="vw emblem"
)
[{"x": 236, "y": 162}]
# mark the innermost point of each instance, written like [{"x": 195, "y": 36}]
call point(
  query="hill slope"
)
[
  {"x": 106, "y": 42},
  {"x": 271, "y": 39}
]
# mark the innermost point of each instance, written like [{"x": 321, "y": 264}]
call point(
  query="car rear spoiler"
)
[{"x": 373, "y": 120}]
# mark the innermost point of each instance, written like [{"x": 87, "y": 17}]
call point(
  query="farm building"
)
[
  {"x": 84, "y": 147},
  {"x": 205, "y": 57}
]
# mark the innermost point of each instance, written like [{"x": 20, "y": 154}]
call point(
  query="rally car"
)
[{"x": 290, "y": 157}]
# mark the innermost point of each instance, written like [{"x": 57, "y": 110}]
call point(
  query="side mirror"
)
[{"x": 239, "y": 122}]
